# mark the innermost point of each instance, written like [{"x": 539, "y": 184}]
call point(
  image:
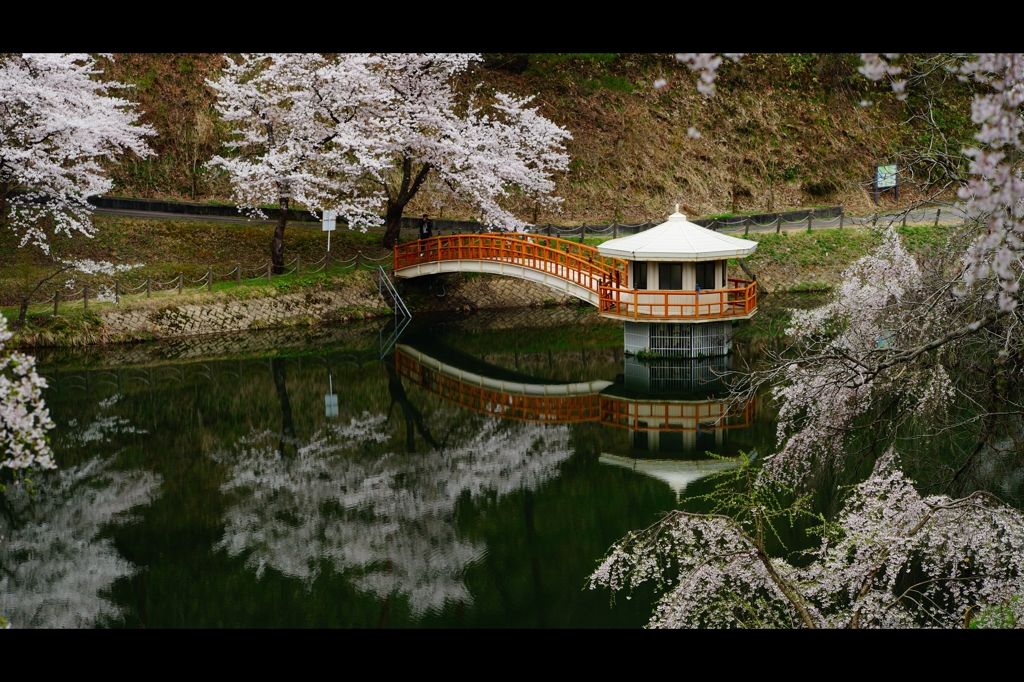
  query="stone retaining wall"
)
[
  {"x": 355, "y": 299},
  {"x": 465, "y": 293},
  {"x": 161, "y": 320}
]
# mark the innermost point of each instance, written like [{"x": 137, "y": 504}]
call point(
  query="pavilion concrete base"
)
[{"x": 679, "y": 339}]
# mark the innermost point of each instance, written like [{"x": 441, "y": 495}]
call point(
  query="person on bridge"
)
[{"x": 426, "y": 228}]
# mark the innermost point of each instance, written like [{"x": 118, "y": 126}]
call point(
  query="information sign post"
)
[
  {"x": 328, "y": 226},
  {"x": 886, "y": 177}
]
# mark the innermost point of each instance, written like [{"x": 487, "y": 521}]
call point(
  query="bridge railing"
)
[
  {"x": 568, "y": 409},
  {"x": 738, "y": 300},
  {"x": 578, "y": 263}
]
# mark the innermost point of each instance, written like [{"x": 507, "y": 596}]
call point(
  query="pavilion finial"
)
[{"x": 677, "y": 208}]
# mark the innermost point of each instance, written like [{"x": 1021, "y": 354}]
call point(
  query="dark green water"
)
[{"x": 208, "y": 483}]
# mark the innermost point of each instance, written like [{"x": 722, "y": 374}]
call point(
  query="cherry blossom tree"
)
[
  {"x": 892, "y": 559},
  {"x": 24, "y": 417},
  {"x": 909, "y": 350},
  {"x": 58, "y": 121},
  {"x": 297, "y": 136},
  {"x": 353, "y": 131},
  {"x": 479, "y": 148}
]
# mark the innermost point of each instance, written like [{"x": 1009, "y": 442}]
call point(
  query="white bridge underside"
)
[
  {"x": 581, "y": 388},
  {"x": 552, "y": 280}
]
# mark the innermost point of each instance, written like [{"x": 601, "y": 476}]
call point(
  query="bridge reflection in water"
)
[
  {"x": 667, "y": 405},
  {"x": 651, "y": 398}
]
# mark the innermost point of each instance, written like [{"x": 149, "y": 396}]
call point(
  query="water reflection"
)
[
  {"x": 667, "y": 405},
  {"x": 388, "y": 519},
  {"x": 467, "y": 477},
  {"x": 56, "y": 568}
]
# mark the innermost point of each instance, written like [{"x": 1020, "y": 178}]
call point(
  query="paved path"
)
[{"x": 948, "y": 216}]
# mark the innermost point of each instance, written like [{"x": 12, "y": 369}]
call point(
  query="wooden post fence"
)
[
  {"x": 842, "y": 216},
  {"x": 298, "y": 264},
  {"x": 905, "y": 219},
  {"x": 181, "y": 282},
  {"x": 583, "y": 232},
  {"x": 938, "y": 212},
  {"x": 149, "y": 287},
  {"x": 117, "y": 292},
  {"x": 85, "y": 297},
  {"x": 209, "y": 279},
  {"x": 56, "y": 301},
  {"x": 746, "y": 227},
  {"x": 268, "y": 271},
  {"x": 615, "y": 230},
  {"x": 810, "y": 219},
  {"x": 778, "y": 224},
  {"x": 238, "y": 274}
]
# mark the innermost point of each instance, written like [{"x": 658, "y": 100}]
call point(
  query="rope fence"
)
[
  {"x": 110, "y": 290},
  {"x": 113, "y": 290}
]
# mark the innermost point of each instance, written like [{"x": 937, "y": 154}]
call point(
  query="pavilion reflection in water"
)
[{"x": 673, "y": 408}]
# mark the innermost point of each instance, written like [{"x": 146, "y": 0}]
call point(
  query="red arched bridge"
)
[{"x": 575, "y": 269}]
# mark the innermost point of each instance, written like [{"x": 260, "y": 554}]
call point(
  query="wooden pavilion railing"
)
[
  {"x": 578, "y": 263},
  {"x": 739, "y": 300},
  {"x": 640, "y": 415}
]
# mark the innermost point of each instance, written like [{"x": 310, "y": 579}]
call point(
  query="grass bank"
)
[
  {"x": 77, "y": 325},
  {"x": 166, "y": 247}
]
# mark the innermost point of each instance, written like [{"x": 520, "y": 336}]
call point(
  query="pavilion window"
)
[
  {"x": 640, "y": 273},
  {"x": 670, "y": 276},
  {"x": 706, "y": 275}
]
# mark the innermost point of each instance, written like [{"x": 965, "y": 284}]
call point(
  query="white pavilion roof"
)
[{"x": 677, "y": 240}]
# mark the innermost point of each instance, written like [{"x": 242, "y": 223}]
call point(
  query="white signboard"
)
[
  {"x": 329, "y": 220},
  {"x": 886, "y": 176}
]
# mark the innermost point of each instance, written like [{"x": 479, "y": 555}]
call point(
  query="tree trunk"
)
[
  {"x": 277, "y": 243},
  {"x": 398, "y": 198},
  {"x": 413, "y": 417},
  {"x": 4, "y": 188},
  {"x": 22, "y": 313},
  {"x": 287, "y": 425},
  {"x": 393, "y": 223}
]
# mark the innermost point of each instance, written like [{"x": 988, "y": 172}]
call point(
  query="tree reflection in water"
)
[
  {"x": 54, "y": 566},
  {"x": 388, "y": 519}
]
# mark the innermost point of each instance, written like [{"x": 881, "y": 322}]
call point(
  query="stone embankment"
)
[
  {"x": 466, "y": 293},
  {"x": 214, "y": 317},
  {"x": 351, "y": 300}
]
